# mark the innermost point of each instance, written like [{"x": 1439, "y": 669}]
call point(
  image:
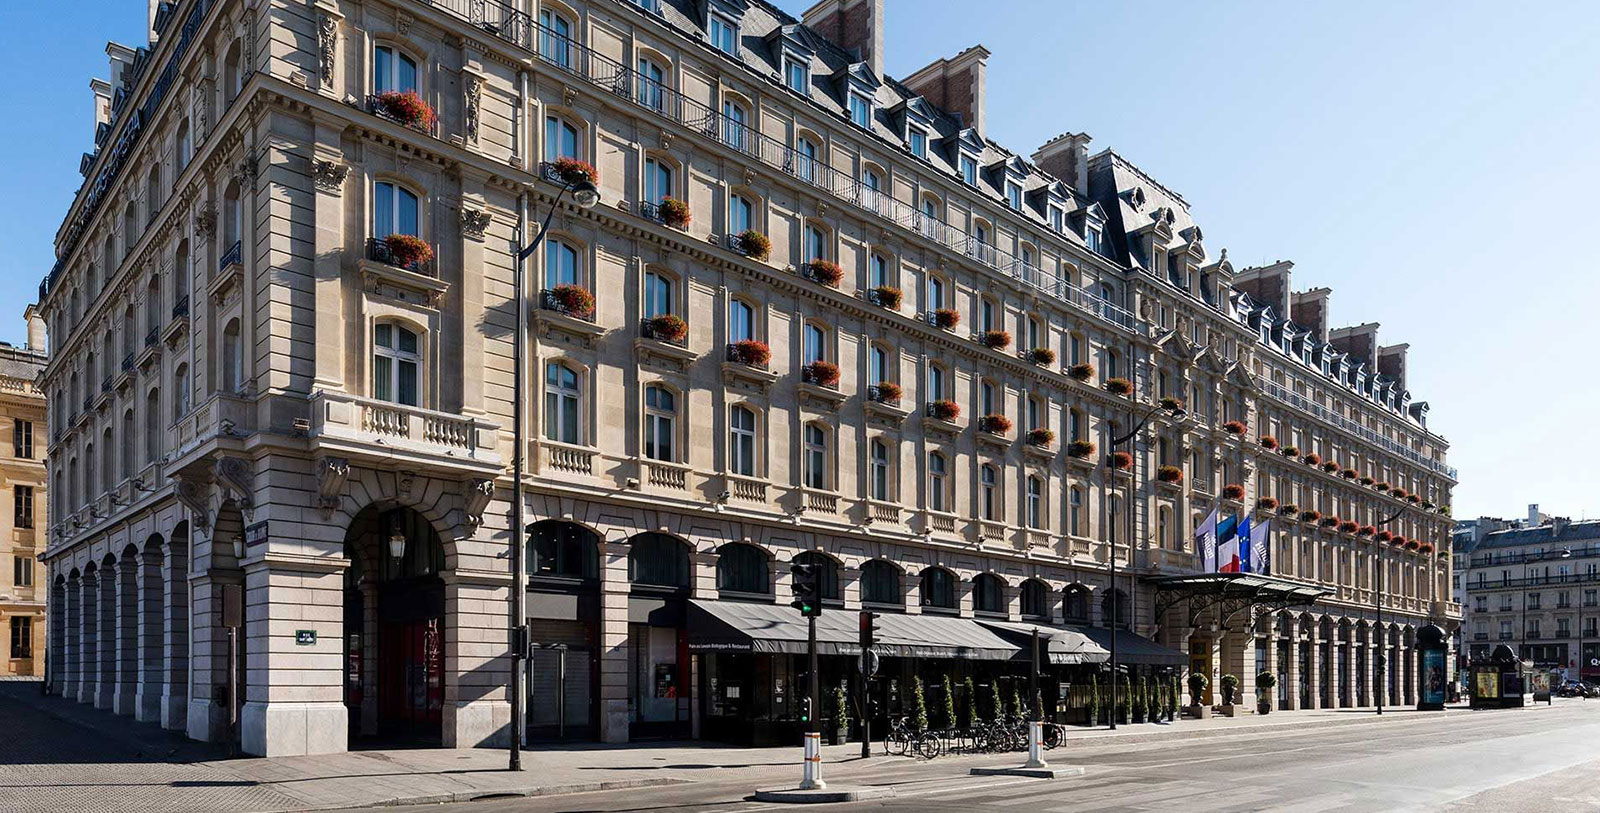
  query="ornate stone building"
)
[
  {"x": 817, "y": 316},
  {"x": 22, "y": 481}
]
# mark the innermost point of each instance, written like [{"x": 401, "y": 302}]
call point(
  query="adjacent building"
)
[
  {"x": 1535, "y": 585},
  {"x": 22, "y": 480},
  {"x": 818, "y": 316}
]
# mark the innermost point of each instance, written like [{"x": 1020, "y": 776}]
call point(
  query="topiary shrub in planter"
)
[
  {"x": 1080, "y": 372},
  {"x": 919, "y": 708},
  {"x": 1269, "y": 442},
  {"x": 1233, "y": 491},
  {"x": 573, "y": 300},
  {"x": 1121, "y": 461},
  {"x": 1235, "y": 428},
  {"x": 944, "y": 410},
  {"x": 408, "y": 250},
  {"x": 887, "y": 296},
  {"x": 826, "y": 272},
  {"x": 750, "y": 351},
  {"x": 1041, "y": 437},
  {"x": 1080, "y": 448},
  {"x": 1267, "y": 503},
  {"x": 1230, "y": 687},
  {"x": 996, "y": 339},
  {"x": 573, "y": 171},
  {"x": 675, "y": 213},
  {"x": 947, "y": 704},
  {"x": 946, "y": 318},
  {"x": 1170, "y": 474},
  {"x": 755, "y": 244},
  {"x": 821, "y": 373},
  {"x": 1264, "y": 684},
  {"x": 994, "y": 424},
  {"x": 1197, "y": 687},
  {"x": 1042, "y": 356},
  {"x": 668, "y": 327},
  {"x": 841, "y": 716},
  {"x": 1119, "y": 386}
]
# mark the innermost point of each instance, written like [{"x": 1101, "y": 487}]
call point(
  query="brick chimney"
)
[
  {"x": 1359, "y": 342},
  {"x": 1392, "y": 362},
  {"x": 1066, "y": 157},
  {"x": 1309, "y": 309},
  {"x": 955, "y": 85},
  {"x": 1267, "y": 284},
  {"x": 853, "y": 25}
]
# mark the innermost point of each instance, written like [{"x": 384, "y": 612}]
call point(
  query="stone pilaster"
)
[
  {"x": 89, "y": 637},
  {"x": 296, "y": 707},
  {"x": 72, "y": 640},
  {"x": 477, "y": 712},
  {"x": 150, "y": 655},
  {"x": 209, "y": 716},
  {"x": 1314, "y": 664},
  {"x": 175, "y": 636},
  {"x": 1289, "y": 637},
  {"x": 105, "y": 688},
  {"x": 614, "y": 587},
  {"x": 127, "y": 614}
]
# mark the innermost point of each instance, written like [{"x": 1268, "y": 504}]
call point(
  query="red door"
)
[{"x": 411, "y": 677}]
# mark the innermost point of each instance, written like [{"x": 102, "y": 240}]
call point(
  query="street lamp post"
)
[
  {"x": 1111, "y": 547},
  {"x": 585, "y": 195}
]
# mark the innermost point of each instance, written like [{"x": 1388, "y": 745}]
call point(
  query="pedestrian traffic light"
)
[
  {"x": 807, "y": 596},
  {"x": 869, "y": 629},
  {"x": 805, "y": 709}
]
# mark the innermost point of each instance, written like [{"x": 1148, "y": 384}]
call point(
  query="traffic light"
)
[
  {"x": 869, "y": 629},
  {"x": 805, "y": 709},
  {"x": 807, "y": 596}
]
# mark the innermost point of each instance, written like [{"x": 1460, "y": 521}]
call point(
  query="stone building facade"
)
[
  {"x": 879, "y": 341},
  {"x": 1535, "y": 586},
  {"x": 22, "y": 481}
]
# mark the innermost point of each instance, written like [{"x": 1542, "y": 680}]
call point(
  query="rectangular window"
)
[
  {"x": 969, "y": 170},
  {"x": 1057, "y": 218},
  {"x": 1014, "y": 195},
  {"x": 22, "y": 497},
  {"x": 21, "y": 637},
  {"x": 1091, "y": 237},
  {"x": 22, "y": 571},
  {"x": 860, "y": 110},
  {"x": 724, "y": 35},
  {"x": 919, "y": 143},
  {"x": 796, "y": 75},
  {"x": 22, "y": 439}
]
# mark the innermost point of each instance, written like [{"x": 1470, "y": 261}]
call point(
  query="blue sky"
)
[{"x": 1430, "y": 162}]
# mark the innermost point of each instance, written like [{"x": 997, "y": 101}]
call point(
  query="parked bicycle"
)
[{"x": 902, "y": 739}]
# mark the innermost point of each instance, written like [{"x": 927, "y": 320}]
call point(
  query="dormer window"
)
[
  {"x": 860, "y": 110},
  {"x": 1091, "y": 238},
  {"x": 1014, "y": 195},
  {"x": 919, "y": 143},
  {"x": 724, "y": 35},
  {"x": 796, "y": 74},
  {"x": 1058, "y": 218},
  {"x": 969, "y": 170}
]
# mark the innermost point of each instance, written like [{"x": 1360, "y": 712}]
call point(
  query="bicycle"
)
[{"x": 902, "y": 740}]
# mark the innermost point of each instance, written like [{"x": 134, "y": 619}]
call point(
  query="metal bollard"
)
[
  {"x": 1036, "y": 746},
  {"x": 812, "y": 777}
]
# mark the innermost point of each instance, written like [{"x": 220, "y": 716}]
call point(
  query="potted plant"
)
[
  {"x": 675, "y": 213},
  {"x": 1233, "y": 491},
  {"x": 1312, "y": 459},
  {"x": 1366, "y": 530},
  {"x": 1413, "y": 499},
  {"x": 1041, "y": 437},
  {"x": 407, "y": 108},
  {"x": 994, "y": 424},
  {"x": 946, "y": 318},
  {"x": 1264, "y": 683},
  {"x": 573, "y": 300},
  {"x": 1230, "y": 686},
  {"x": 826, "y": 272},
  {"x": 1290, "y": 451},
  {"x": 841, "y": 717},
  {"x": 1171, "y": 404},
  {"x": 1382, "y": 485},
  {"x": 1170, "y": 474},
  {"x": 944, "y": 410},
  {"x": 408, "y": 250},
  {"x": 886, "y": 296},
  {"x": 1349, "y": 526},
  {"x": 887, "y": 392},
  {"x": 1425, "y": 547},
  {"x": 1080, "y": 372},
  {"x": 1330, "y": 522},
  {"x": 755, "y": 244},
  {"x": 988, "y": 703},
  {"x": 1235, "y": 428},
  {"x": 1119, "y": 386},
  {"x": 574, "y": 171},
  {"x": 1121, "y": 461},
  {"x": 1197, "y": 688},
  {"x": 947, "y": 703},
  {"x": 995, "y": 339},
  {"x": 1397, "y": 492},
  {"x": 1288, "y": 509},
  {"x": 1267, "y": 503},
  {"x": 1042, "y": 356},
  {"x": 821, "y": 373},
  {"x": 750, "y": 351},
  {"x": 1330, "y": 466},
  {"x": 1310, "y": 515},
  {"x": 668, "y": 327},
  {"x": 1080, "y": 448},
  {"x": 1269, "y": 442},
  {"x": 1383, "y": 536}
]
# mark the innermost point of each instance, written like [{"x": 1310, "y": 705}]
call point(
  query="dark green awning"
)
[{"x": 732, "y": 626}]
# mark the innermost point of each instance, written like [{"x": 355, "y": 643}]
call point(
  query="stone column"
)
[
  {"x": 1290, "y": 629},
  {"x": 1351, "y": 697},
  {"x": 105, "y": 690},
  {"x": 328, "y": 245},
  {"x": 477, "y": 711},
  {"x": 1239, "y": 659},
  {"x": 1314, "y": 663},
  {"x": 175, "y": 635},
  {"x": 152, "y": 619},
  {"x": 294, "y": 693},
  {"x": 72, "y": 639},
  {"x": 127, "y": 612},
  {"x": 88, "y": 636},
  {"x": 614, "y": 586},
  {"x": 209, "y": 709}
]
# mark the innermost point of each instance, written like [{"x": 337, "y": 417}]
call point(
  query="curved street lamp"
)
[{"x": 586, "y": 196}]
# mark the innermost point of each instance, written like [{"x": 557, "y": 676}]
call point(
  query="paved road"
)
[{"x": 1544, "y": 759}]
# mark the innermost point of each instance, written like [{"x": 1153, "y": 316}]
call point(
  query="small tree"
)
[
  {"x": 989, "y": 703},
  {"x": 1094, "y": 700},
  {"x": 947, "y": 703},
  {"x": 1037, "y": 714},
  {"x": 1230, "y": 685},
  {"x": 919, "y": 709},
  {"x": 969, "y": 702},
  {"x": 1018, "y": 708},
  {"x": 841, "y": 708}
]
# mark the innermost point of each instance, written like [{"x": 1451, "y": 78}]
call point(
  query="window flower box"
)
[
  {"x": 572, "y": 300},
  {"x": 1269, "y": 442},
  {"x": 1233, "y": 491},
  {"x": 1312, "y": 459},
  {"x": 1080, "y": 372},
  {"x": 1330, "y": 522},
  {"x": 674, "y": 213},
  {"x": 821, "y": 373},
  {"x": 1382, "y": 485},
  {"x": 1267, "y": 503},
  {"x": 885, "y": 296},
  {"x": 1235, "y": 428},
  {"x": 995, "y": 424},
  {"x": 994, "y": 339},
  {"x": 885, "y": 392},
  {"x": 1121, "y": 461},
  {"x": 1425, "y": 547},
  {"x": 1080, "y": 448},
  {"x": 944, "y": 410},
  {"x": 405, "y": 107},
  {"x": 1427, "y": 505},
  {"x": 946, "y": 318},
  {"x": 751, "y": 352},
  {"x": 1366, "y": 530},
  {"x": 1348, "y": 474},
  {"x": 1330, "y": 467},
  {"x": 1119, "y": 386},
  {"x": 668, "y": 327},
  {"x": 1366, "y": 481},
  {"x": 1288, "y": 509},
  {"x": 408, "y": 251},
  {"x": 1349, "y": 526},
  {"x": 753, "y": 244},
  {"x": 1383, "y": 536},
  {"x": 1042, "y": 356},
  {"x": 1290, "y": 451},
  {"x": 1041, "y": 437},
  {"x": 1170, "y": 474},
  {"x": 1171, "y": 404},
  {"x": 825, "y": 272},
  {"x": 1408, "y": 544},
  {"x": 572, "y": 170},
  {"x": 1310, "y": 516},
  {"x": 1398, "y": 493}
]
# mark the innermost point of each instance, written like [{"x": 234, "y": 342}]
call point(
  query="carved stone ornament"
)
[
  {"x": 666, "y": 140},
  {"x": 234, "y": 475},
  {"x": 194, "y": 495},
  {"x": 1146, "y": 308},
  {"x": 476, "y": 494},
  {"x": 402, "y": 23},
  {"x": 197, "y": 103},
  {"x": 474, "y": 222},
  {"x": 328, "y": 42},
  {"x": 569, "y": 95},
  {"x": 205, "y": 220},
  {"x": 472, "y": 88},
  {"x": 331, "y": 475},
  {"x": 329, "y": 175}
]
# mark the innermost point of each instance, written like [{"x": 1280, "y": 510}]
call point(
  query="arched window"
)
[
  {"x": 880, "y": 583},
  {"x": 88, "y": 474},
  {"x": 657, "y": 180},
  {"x": 816, "y": 343},
  {"x": 185, "y": 144},
  {"x": 651, "y": 79},
  {"x": 108, "y": 261},
  {"x": 394, "y": 210},
  {"x": 555, "y": 37},
  {"x": 988, "y": 397},
  {"x": 658, "y": 294},
  {"x": 130, "y": 228},
  {"x": 805, "y": 159},
  {"x": 938, "y": 481},
  {"x": 880, "y": 470},
  {"x": 816, "y": 448},
  {"x": 563, "y": 550},
  {"x": 180, "y": 392},
  {"x": 827, "y": 572},
  {"x": 1114, "y": 601},
  {"x": 152, "y": 193},
  {"x": 741, "y": 321},
  {"x": 816, "y": 244},
  {"x": 741, "y": 214},
  {"x": 1075, "y": 604},
  {"x": 742, "y": 441},
  {"x": 108, "y": 461},
  {"x": 232, "y": 72},
  {"x": 988, "y": 594},
  {"x": 1035, "y": 599},
  {"x": 396, "y": 361},
  {"x": 938, "y": 588},
  {"x": 1035, "y": 505},
  {"x": 989, "y": 492},
  {"x": 561, "y": 266},
  {"x": 563, "y": 399},
  {"x": 935, "y": 288},
  {"x": 561, "y": 139},
  {"x": 658, "y": 560},
  {"x": 660, "y": 423},
  {"x": 180, "y": 273},
  {"x": 232, "y": 357},
  {"x": 130, "y": 436},
  {"x": 743, "y": 568}
]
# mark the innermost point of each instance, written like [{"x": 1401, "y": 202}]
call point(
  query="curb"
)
[
  {"x": 831, "y": 795},
  {"x": 1032, "y": 773},
  {"x": 525, "y": 792}
]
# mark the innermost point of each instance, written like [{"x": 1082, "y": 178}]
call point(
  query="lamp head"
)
[{"x": 585, "y": 193}]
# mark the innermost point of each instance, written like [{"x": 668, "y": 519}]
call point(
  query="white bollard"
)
[
  {"x": 812, "y": 776},
  {"x": 1036, "y": 746}
]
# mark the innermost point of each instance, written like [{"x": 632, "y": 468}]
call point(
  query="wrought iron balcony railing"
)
[
  {"x": 234, "y": 255},
  {"x": 378, "y": 251}
]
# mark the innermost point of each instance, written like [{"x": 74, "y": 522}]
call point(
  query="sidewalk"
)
[{"x": 63, "y": 756}]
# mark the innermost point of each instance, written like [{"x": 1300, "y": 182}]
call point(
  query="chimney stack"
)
[
  {"x": 955, "y": 85},
  {"x": 853, "y": 25},
  {"x": 102, "y": 101},
  {"x": 1067, "y": 157},
  {"x": 1309, "y": 309},
  {"x": 36, "y": 334}
]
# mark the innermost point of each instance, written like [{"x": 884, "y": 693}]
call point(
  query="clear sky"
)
[{"x": 1430, "y": 162}]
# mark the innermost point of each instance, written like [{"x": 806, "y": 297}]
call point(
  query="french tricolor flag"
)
[{"x": 1228, "y": 560}]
